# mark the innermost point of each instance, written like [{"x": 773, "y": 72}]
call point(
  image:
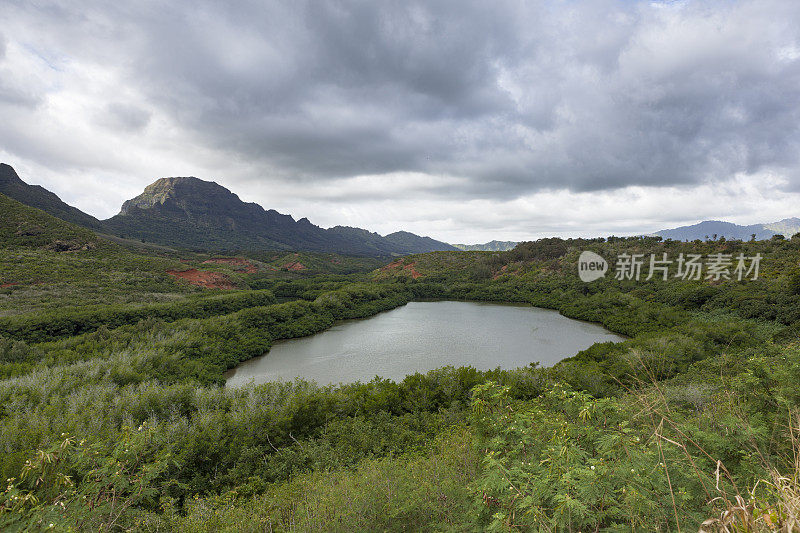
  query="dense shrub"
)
[{"x": 51, "y": 325}]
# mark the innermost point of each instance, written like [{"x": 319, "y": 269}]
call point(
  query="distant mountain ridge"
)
[
  {"x": 786, "y": 227},
  {"x": 192, "y": 213},
  {"x": 370, "y": 239},
  {"x": 409, "y": 241},
  {"x": 708, "y": 229},
  {"x": 393, "y": 243},
  {"x": 491, "y": 246}
]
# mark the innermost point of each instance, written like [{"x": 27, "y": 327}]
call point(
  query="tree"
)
[{"x": 794, "y": 281}]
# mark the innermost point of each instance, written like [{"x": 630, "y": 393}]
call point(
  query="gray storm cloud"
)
[{"x": 511, "y": 98}]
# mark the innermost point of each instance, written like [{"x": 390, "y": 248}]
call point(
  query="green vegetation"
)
[
  {"x": 23, "y": 226},
  {"x": 113, "y": 415},
  {"x": 284, "y": 265},
  {"x": 47, "y": 265},
  {"x": 58, "y": 324}
]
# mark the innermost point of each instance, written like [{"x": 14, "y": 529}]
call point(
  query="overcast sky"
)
[{"x": 459, "y": 120}]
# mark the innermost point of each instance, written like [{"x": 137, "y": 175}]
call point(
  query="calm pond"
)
[{"x": 422, "y": 336}]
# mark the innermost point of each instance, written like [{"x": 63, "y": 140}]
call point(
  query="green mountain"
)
[
  {"x": 378, "y": 244},
  {"x": 491, "y": 246},
  {"x": 39, "y": 197},
  {"x": 25, "y": 226},
  {"x": 411, "y": 243},
  {"x": 192, "y": 213},
  {"x": 398, "y": 243}
]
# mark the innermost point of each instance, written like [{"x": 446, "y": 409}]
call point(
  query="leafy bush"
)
[
  {"x": 568, "y": 462},
  {"x": 59, "y": 324}
]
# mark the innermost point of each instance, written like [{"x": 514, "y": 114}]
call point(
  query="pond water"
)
[{"x": 422, "y": 336}]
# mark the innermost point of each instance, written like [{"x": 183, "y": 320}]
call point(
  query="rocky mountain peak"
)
[{"x": 188, "y": 194}]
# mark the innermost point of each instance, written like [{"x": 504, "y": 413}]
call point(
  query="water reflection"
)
[{"x": 421, "y": 336}]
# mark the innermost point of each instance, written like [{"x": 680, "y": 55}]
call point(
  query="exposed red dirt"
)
[
  {"x": 500, "y": 272},
  {"x": 294, "y": 266},
  {"x": 6, "y": 285},
  {"x": 392, "y": 265},
  {"x": 239, "y": 264},
  {"x": 202, "y": 278},
  {"x": 409, "y": 268},
  {"x": 412, "y": 270}
]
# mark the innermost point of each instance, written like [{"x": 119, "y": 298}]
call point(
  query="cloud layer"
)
[{"x": 399, "y": 114}]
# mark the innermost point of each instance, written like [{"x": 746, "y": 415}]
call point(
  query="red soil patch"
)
[
  {"x": 202, "y": 278},
  {"x": 412, "y": 270},
  {"x": 239, "y": 264},
  {"x": 392, "y": 265},
  {"x": 295, "y": 266},
  {"x": 6, "y": 285},
  {"x": 409, "y": 268},
  {"x": 500, "y": 272}
]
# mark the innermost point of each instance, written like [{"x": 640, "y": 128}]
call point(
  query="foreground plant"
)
[
  {"x": 772, "y": 505},
  {"x": 570, "y": 462},
  {"x": 76, "y": 486}
]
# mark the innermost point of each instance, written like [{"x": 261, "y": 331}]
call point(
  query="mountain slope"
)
[
  {"x": 188, "y": 212},
  {"x": 374, "y": 241},
  {"x": 709, "y": 228},
  {"x": 414, "y": 244},
  {"x": 36, "y": 196},
  {"x": 786, "y": 227},
  {"x": 193, "y": 213},
  {"x": 28, "y": 227}
]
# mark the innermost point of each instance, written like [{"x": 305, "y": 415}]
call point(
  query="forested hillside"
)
[{"x": 113, "y": 415}]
